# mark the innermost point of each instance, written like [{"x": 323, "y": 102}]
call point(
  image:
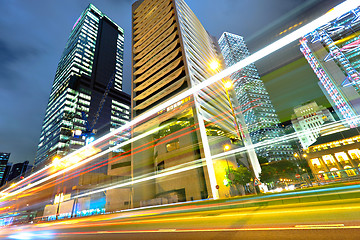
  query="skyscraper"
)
[
  {"x": 307, "y": 122},
  {"x": 82, "y": 96},
  {"x": 255, "y": 104},
  {"x": 333, "y": 53},
  {"x": 172, "y": 52},
  {"x": 4, "y": 158},
  {"x": 18, "y": 169}
]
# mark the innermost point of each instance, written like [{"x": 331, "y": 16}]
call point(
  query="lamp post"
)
[
  {"x": 302, "y": 157},
  {"x": 228, "y": 85}
]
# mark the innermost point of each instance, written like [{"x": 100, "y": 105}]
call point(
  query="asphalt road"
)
[{"x": 330, "y": 219}]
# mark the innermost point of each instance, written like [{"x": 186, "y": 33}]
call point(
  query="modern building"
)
[
  {"x": 255, "y": 104},
  {"x": 6, "y": 174},
  {"x": 87, "y": 89},
  {"x": 336, "y": 156},
  {"x": 307, "y": 121},
  {"x": 172, "y": 52},
  {"x": 18, "y": 170},
  {"x": 333, "y": 52},
  {"x": 4, "y": 158}
]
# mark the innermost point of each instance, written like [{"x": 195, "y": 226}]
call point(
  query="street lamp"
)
[
  {"x": 226, "y": 147},
  {"x": 228, "y": 84},
  {"x": 214, "y": 65}
]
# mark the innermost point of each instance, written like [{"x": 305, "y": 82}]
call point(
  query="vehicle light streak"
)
[
  {"x": 334, "y": 13},
  {"x": 80, "y": 163},
  {"x": 118, "y": 146}
]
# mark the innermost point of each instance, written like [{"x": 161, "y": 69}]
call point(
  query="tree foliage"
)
[
  {"x": 277, "y": 170},
  {"x": 268, "y": 174},
  {"x": 240, "y": 175}
]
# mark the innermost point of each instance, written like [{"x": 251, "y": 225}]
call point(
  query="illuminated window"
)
[
  {"x": 354, "y": 153},
  {"x": 323, "y": 175},
  {"x": 315, "y": 162},
  {"x": 328, "y": 159},
  {"x": 349, "y": 171},
  {"x": 342, "y": 157},
  {"x": 335, "y": 173},
  {"x": 172, "y": 146}
]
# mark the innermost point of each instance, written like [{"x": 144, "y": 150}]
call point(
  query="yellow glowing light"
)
[
  {"x": 228, "y": 84},
  {"x": 56, "y": 160},
  {"x": 227, "y": 147},
  {"x": 304, "y": 155},
  {"x": 214, "y": 65},
  {"x": 296, "y": 155}
]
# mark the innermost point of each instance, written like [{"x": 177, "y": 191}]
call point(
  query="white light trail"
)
[
  {"x": 200, "y": 162},
  {"x": 79, "y": 163},
  {"x": 333, "y": 14}
]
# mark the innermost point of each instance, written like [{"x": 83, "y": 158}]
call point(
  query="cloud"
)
[{"x": 11, "y": 58}]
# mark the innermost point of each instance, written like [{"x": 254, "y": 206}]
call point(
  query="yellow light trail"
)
[{"x": 336, "y": 12}]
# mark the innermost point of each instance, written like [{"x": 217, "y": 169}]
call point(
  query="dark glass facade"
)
[{"x": 92, "y": 55}]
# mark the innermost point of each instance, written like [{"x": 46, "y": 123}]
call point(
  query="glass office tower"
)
[
  {"x": 4, "y": 158},
  {"x": 93, "y": 55},
  {"x": 255, "y": 104},
  {"x": 333, "y": 53},
  {"x": 172, "y": 52}
]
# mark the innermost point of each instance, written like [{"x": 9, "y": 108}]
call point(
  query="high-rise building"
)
[
  {"x": 255, "y": 104},
  {"x": 4, "y": 158},
  {"x": 307, "y": 122},
  {"x": 18, "y": 169},
  {"x": 87, "y": 89},
  {"x": 6, "y": 174},
  {"x": 172, "y": 52},
  {"x": 333, "y": 52}
]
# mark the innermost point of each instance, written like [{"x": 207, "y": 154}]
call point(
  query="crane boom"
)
[{"x": 101, "y": 105}]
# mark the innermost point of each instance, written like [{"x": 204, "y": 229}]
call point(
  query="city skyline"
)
[
  {"x": 37, "y": 54},
  {"x": 235, "y": 133}
]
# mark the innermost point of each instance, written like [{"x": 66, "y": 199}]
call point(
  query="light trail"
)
[
  {"x": 79, "y": 164},
  {"x": 334, "y": 13},
  {"x": 196, "y": 163}
]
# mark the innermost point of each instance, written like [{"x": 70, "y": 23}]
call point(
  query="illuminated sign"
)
[{"x": 175, "y": 105}]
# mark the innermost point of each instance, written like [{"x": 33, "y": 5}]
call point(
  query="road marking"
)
[
  {"x": 321, "y": 226},
  {"x": 297, "y": 227},
  {"x": 167, "y": 230}
]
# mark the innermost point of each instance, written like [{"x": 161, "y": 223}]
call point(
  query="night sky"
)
[{"x": 33, "y": 35}]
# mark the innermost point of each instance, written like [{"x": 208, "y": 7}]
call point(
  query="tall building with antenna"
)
[
  {"x": 87, "y": 90},
  {"x": 255, "y": 104}
]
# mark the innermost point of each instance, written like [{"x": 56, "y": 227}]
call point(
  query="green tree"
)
[
  {"x": 286, "y": 169},
  {"x": 268, "y": 174},
  {"x": 239, "y": 176}
]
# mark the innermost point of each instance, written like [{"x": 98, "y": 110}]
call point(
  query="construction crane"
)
[{"x": 89, "y": 132}]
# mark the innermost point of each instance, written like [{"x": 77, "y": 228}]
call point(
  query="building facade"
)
[
  {"x": 172, "y": 52},
  {"x": 336, "y": 156},
  {"x": 307, "y": 122},
  {"x": 255, "y": 104},
  {"x": 4, "y": 159},
  {"x": 18, "y": 169},
  {"x": 333, "y": 53},
  {"x": 87, "y": 90}
]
